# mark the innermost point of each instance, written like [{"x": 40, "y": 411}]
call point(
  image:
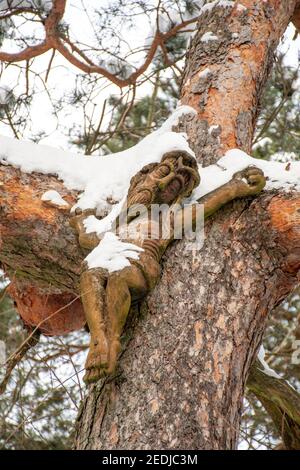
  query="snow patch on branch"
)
[
  {"x": 100, "y": 178},
  {"x": 209, "y": 36},
  {"x": 266, "y": 369},
  {"x": 279, "y": 175},
  {"x": 112, "y": 254},
  {"x": 99, "y": 226},
  {"x": 216, "y": 3},
  {"x": 284, "y": 157}
]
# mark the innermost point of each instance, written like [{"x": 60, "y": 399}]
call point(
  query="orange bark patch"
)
[
  {"x": 231, "y": 99},
  {"x": 285, "y": 218},
  {"x": 53, "y": 314},
  {"x": 26, "y": 201}
]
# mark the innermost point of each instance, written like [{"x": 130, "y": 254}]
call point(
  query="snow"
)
[
  {"x": 101, "y": 177},
  {"x": 205, "y": 73},
  {"x": 266, "y": 369},
  {"x": 5, "y": 94},
  {"x": 262, "y": 143},
  {"x": 209, "y": 36},
  {"x": 54, "y": 198},
  {"x": 92, "y": 224},
  {"x": 284, "y": 157},
  {"x": 112, "y": 254},
  {"x": 216, "y": 3},
  {"x": 279, "y": 175},
  {"x": 213, "y": 128}
]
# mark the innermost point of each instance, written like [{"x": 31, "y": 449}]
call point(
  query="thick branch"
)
[{"x": 281, "y": 401}]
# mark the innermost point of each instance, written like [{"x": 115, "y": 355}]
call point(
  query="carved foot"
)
[
  {"x": 249, "y": 181},
  {"x": 100, "y": 362},
  {"x": 96, "y": 363}
]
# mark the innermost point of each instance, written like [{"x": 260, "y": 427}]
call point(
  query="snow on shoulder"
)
[{"x": 112, "y": 254}]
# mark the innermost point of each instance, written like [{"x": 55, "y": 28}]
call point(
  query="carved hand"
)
[{"x": 249, "y": 181}]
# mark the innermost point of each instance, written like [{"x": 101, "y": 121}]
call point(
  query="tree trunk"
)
[
  {"x": 182, "y": 374},
  {"x": 188, "y": 348}
]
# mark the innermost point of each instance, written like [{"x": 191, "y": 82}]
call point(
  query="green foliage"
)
[
  {"x": 278, "y": 128},
  {"x": 146, "y": 115}
]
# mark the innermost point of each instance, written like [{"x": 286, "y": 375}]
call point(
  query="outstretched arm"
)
[{"x": 247, "y": 182}]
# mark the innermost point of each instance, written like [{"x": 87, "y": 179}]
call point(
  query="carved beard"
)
[
  {"x": 173, "y": 178},
  {"x": 171, "y": 191}
]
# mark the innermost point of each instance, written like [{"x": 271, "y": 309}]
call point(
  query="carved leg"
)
[
  {"x": 106, "y": 310},
  {"x": 132, "y": 282},
  {"x": 92, "y": 286},
  {"x": 121, "y": 287}
]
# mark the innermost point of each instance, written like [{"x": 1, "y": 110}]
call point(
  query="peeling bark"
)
[{"x": 40, "y": 252}]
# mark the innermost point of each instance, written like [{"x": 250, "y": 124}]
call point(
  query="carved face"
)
[{"x": 166, "y": 182}]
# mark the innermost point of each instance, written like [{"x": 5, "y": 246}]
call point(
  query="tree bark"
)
[
  {"x": 188, "y": 348},
  {"x": 182, "y": 374}
]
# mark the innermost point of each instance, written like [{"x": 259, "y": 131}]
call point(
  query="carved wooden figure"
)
[{"x": 107, "y": 297}]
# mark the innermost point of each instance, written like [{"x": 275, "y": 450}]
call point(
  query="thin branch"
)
[{"x": 57, "y": 41}]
